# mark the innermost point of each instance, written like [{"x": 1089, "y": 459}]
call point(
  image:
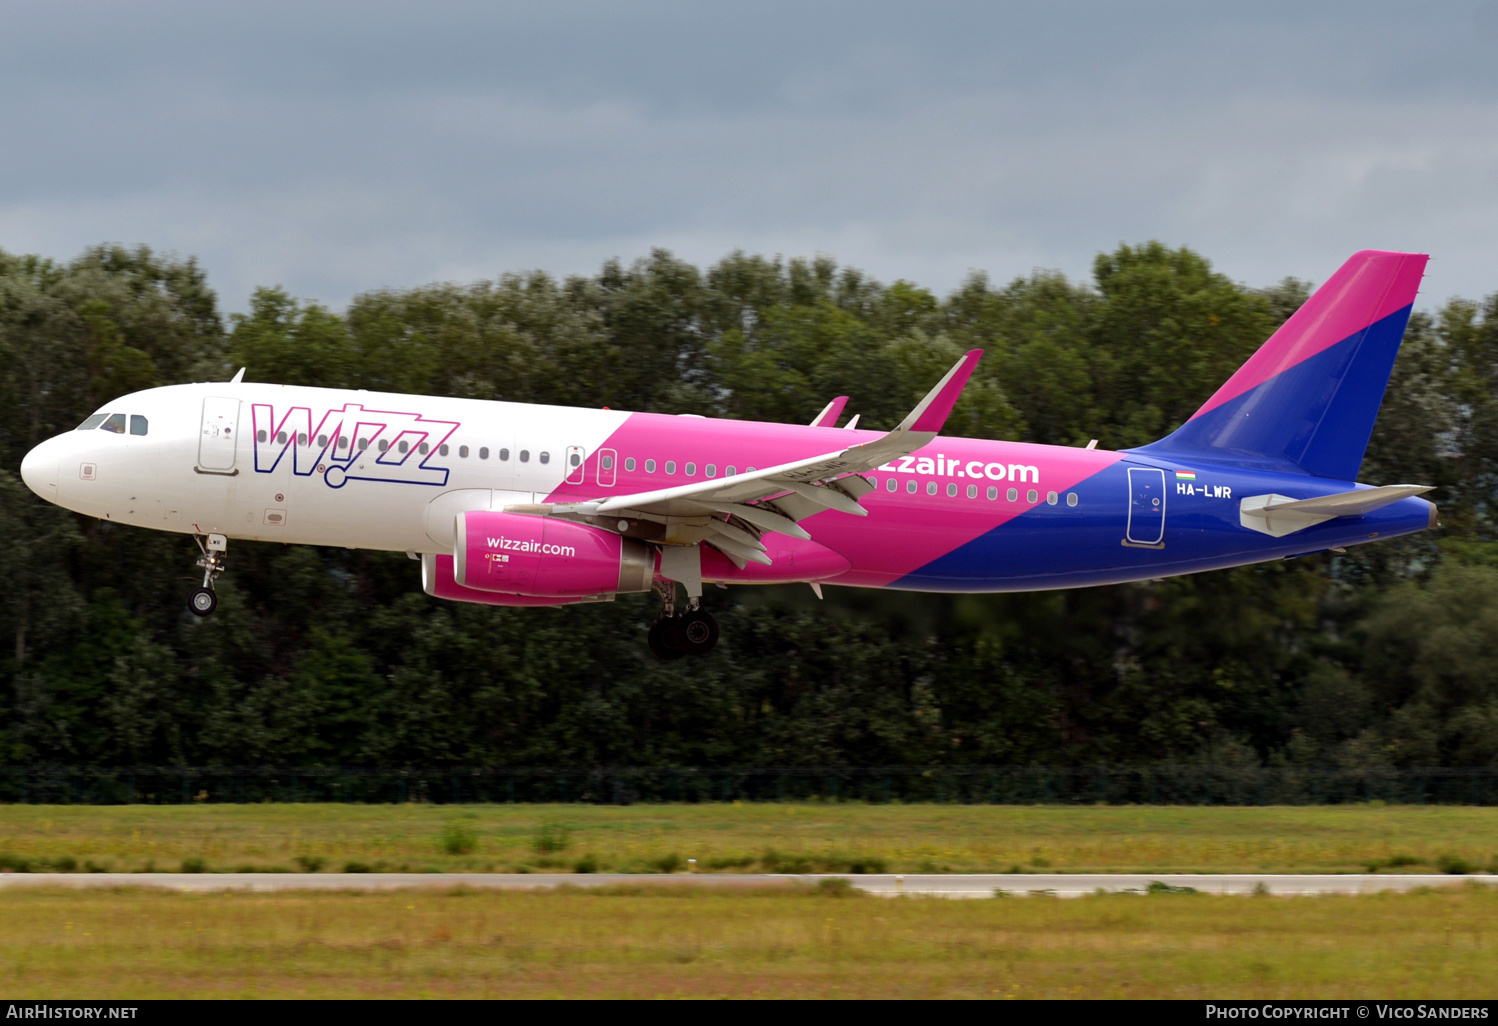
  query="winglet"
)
[
  {"x": 932, "y": 412},
  {"x": 830, "y": 413}
]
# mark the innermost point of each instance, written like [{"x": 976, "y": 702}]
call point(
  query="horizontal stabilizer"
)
[{"x": 1279, "y": 515}]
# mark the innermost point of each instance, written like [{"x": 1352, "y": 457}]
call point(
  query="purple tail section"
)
[{"x": 1306, "y": 401}]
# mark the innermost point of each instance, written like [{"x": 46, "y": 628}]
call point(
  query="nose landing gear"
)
[
  {"x": 693, "y": 631},
  {"x": 204, "y": 600}
]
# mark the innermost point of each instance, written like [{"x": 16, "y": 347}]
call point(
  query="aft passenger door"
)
[
  {"x": 220, "y": 434},
  {"x": 1146, "y": 507}
]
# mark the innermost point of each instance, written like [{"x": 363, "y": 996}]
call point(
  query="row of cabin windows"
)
[
  {"x": 607, "y": 461},
  {"x": 1012, "y": 495},
  {"x": 891, "y": 484},
  {"x": 422, "y": 448},
  {"x": 115, "y": 423},
  {"x": 710, "y": 470}
]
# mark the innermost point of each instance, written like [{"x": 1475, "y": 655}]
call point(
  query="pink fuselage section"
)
[{"x": 905, "y": 529}]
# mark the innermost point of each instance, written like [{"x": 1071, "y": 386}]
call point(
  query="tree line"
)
[{"x": 1384, "y": 656}]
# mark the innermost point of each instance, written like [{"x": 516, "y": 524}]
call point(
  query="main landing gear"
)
[
  {"x": 204, "y": 600},
  {"x": 693, "y": 631}
]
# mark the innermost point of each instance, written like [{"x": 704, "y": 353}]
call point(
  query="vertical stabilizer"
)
[{"x": 1309, "y": 396}]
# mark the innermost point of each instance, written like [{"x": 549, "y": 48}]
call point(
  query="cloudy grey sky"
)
[{"x": 335, "y": 147}]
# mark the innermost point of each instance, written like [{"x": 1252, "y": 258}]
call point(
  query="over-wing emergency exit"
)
[{"x": 524, "y": 505}]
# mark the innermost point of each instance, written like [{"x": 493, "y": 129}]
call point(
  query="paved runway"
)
[{"x": 947, "y": 885}]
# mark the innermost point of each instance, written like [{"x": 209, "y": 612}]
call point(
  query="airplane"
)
[{"x": 511, "y": 504}]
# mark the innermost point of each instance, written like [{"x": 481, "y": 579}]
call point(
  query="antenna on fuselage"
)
[{"x": 238, "y": 377}]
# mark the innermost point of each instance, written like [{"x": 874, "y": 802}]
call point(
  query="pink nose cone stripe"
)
[
  {"x": 903, "y": 531},
  {"x": 1370, "y": 286}
]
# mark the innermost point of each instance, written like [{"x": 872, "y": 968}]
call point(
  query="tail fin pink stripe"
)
[{"x": 1370, "y": 286}]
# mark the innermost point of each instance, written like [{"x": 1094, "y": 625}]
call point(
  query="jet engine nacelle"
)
[{"x": 517, "y": 554}]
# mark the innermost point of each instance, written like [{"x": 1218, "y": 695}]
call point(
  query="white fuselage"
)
[{"x": 195, "y": 473}]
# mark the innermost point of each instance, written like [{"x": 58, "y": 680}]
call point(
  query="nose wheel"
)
[{"x": 204, "y": 600}]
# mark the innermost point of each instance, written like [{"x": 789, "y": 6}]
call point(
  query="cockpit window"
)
[
  {"x": 138, "y": 425},
  {"x": 92, "y": 422},
  {"x": 115, "y": 423}
]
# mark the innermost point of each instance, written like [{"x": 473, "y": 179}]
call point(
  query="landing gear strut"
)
[
  {"x": 693, "y": 631},
  {"x": 204, "y": 600}
]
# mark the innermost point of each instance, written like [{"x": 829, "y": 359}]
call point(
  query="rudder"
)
[{"x": 1310, "y": 395}]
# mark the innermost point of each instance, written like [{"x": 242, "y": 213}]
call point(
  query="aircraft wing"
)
[{"x": 774, "y": 498}]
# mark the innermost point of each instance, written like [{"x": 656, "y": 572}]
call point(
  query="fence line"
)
[{"x": 985, "y": 785}]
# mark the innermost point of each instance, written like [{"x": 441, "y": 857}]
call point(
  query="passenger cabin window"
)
[
  {"x": 322, "y": 441},
  {"x": 138, "y": 425},
  {"x": 424, "y": 448},
  {"x": 484, "y": 453},
  {"x": 525, "y": 455},
  {"x": 670, "y": 466},
  {"x": 711, "y": 470},
  {"x": 384, "y": 445},
  {"x": 576, "y": 459},
  {"x": 504, "y": 454},
  {"x": 730, "y": 471},
  {"x": 629, "y": 463},
  {"x": 92, "y": 422},
  {"x": 301, "y": 438},
  {"x": 115, "y": 423},
  {"x": 691, "y": 470},
  {"x": 403, "y": 446},
  {"x": 546, "y": 457},
  {"x": 650, "y": 466}
]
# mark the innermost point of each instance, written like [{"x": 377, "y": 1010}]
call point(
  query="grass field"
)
[
  {"x": 837, "y": 838},
  {"x": 132, "y": 943}
]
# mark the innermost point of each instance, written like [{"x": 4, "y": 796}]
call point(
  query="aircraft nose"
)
[{"x": 39, "y": 471}]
